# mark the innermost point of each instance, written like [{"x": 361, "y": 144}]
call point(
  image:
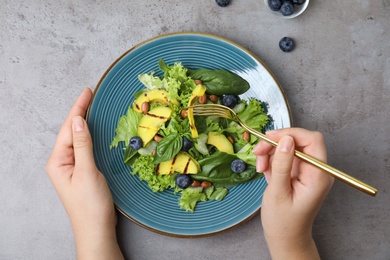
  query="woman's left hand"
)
[{"x": 81, "y": 188}]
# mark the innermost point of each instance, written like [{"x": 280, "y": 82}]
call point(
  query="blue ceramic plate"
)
[{"x": 160, "y": 212}]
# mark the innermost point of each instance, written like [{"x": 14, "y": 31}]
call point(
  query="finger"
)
[
  {"x": 82, "y": 145},
  {"x": 267, "y": 172},
  {"x": 260, "y": 163},
  {"x": 262, "y": 148},
  {"x": 64, "y": 138},
  {"x": 62, "y": 154},
  {"x": 282, "y": 165},
  {"x": 263, "y": 163},
  {"x": 310, "y": 142}
]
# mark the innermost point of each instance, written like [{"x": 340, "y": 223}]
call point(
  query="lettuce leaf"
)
[
  {"x": 208, "y": 124},
  {"x": 176, "y": 71},
  {"x": 247, "y": 155},
  {"x": 190, "y": 197},
  {"x": 150, "y": 81},
  {"x": 172, "y": 86},
  {"x": 126, "y": 128},
  {"x": 234, "y": 128},
  {"x": 218, "y": 194},
  {"x": 175, "y": 125},
  {"x": 144, "y": 167},
  {"x": 254, "y": 115},
  {"x": 178, "y": 84}
]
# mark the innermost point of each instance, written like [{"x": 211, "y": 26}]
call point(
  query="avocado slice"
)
[
  {"x": 154, "y": 95},
  {"x": 181, "y": 163},
  {"x": 221, "y": 142},
  {"x": 150, "y": 123}
]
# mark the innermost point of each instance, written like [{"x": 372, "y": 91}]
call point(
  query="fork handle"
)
[{"x": 342, "y": 176}]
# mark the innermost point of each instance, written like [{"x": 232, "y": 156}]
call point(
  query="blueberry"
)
[
  {"x": 298, "y": 2},
  {"x": 187, "y": 144},
  {"x": 222, "y": 3},
  {"x": 286, "y": 44},
  {"x": 229, "y": 100},
  {"x": 287, "y": 8},
  {"x": 135, "y": 142},
  {"x": 183, "y": 181},
  {"x": 275, "y": 4},
  {"x": 238, "y": 166}
]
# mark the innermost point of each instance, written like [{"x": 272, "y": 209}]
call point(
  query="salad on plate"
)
[{"x": 170, "y": 148}]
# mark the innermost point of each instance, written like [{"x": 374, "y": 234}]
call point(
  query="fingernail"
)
[
  {"x": 258, "y": 166},
  {"x": 78, "y": 124},
  {"x": 286, "y": 144}
]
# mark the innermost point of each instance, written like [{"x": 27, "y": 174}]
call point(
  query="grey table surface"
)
[{"x": 337, "y": 81}]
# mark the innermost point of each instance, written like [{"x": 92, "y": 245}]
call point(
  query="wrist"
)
[
  {"x": 96, "y": 241},
  {"x": 300, "y": 248}
]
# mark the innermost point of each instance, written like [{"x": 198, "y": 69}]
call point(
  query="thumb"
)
[
  {"x": 282, "y": 165},
  {"x": 82, "y": 144}
]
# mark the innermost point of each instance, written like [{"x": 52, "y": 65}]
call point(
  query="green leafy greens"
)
[
  {"x": 216, "y": 169},
  {"x": 127, "y": 127},
  {"x": 143, "y": 166},
  {"x": 168, "y": 148},
  {"x": 178, "y": 84},
  {"x": 220, "y": 82},
  {"x": 253, "y": 115}
]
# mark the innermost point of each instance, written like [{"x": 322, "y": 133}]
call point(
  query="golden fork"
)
[{"x": 226, "y": 112}]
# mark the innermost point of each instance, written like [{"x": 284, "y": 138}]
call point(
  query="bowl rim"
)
[{"x": 302, "y": 9}]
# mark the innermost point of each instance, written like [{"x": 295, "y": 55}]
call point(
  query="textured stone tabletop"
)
[{"x": 337, "y": 81}]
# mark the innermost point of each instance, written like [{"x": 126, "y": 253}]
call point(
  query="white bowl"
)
[{"x": 298, "y": 9}]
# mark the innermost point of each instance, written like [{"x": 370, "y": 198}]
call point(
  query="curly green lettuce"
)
[
  {"x": 254, "y": 115},
  {"x": 190, "y": 197},
  {"x": 144, "y": 167}
]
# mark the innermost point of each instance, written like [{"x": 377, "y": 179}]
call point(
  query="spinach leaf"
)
[
  {"x": 201, "y": 124},
  {"x": 168, "y": 147},
  {"x": 216, "y": 169},
  {"x": 130, "y": 156},
  {"x": 162, "y": 65},
  {"x": 220, "y": 82}
]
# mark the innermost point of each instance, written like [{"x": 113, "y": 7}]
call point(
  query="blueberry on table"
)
[
  {"x": 187, "y": 144},
  {"x": 222, "y": 3},
  {"x": 286, "y": 44},
  {"x": 287, "y": 8},
  {"x": 298, "y": 2},
  {"x": 275, "y": 4},
  {"x": 229, "y": 100},
  {"x": 238, "y": 166},
  {"x": 183, "y": 181},
  {"x": 135, "y": 142}
]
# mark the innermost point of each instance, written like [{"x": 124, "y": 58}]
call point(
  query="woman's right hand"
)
[{"x": 295, "y": 192}]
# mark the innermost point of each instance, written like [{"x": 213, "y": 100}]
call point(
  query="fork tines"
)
[{"x": 211, "y": 110}]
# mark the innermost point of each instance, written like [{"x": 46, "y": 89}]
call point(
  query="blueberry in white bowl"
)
[{"x": 286, "y": 9}]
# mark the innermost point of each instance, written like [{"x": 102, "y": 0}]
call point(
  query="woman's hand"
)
[
  {"x": 295, "y": 192},
  {"x": 82, "y": 188}
]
